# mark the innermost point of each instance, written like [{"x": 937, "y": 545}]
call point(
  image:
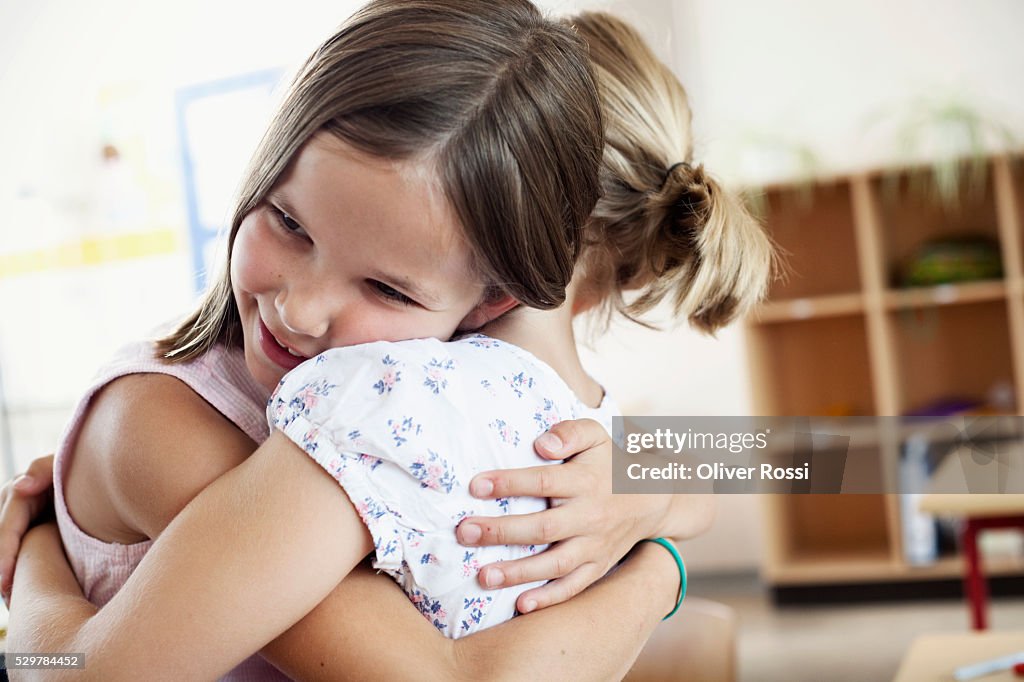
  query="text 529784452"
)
[{"x": 14, "y": 661}]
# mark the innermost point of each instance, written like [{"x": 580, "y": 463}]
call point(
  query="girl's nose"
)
[{"x": 303, "y": 314}]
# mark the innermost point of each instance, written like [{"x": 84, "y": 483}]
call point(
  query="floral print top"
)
[{"x": 403, "y": 427}]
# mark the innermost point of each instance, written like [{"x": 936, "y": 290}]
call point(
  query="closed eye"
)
[{"x": 390, "y": 293}]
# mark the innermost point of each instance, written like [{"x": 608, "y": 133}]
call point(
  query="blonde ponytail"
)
[{"x": 663, "y": 229}]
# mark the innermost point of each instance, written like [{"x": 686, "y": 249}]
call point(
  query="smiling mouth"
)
[
  {"x": 290, "y": 351},
  {"x": 276, "y": 351}
]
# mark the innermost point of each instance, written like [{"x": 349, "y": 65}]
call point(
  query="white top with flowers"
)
[{"x": 403, "y": 427}]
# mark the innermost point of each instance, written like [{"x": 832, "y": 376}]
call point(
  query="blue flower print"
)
[
  {"x": 428, "y": 558},
  {"x": 470, "y": 564},
  {"x": 436, "y": 370},
  {"x": 370, "y": 510},
  {"x": 481, "y": 341},
  {"x": 477, "y": 607},
  {"x": 386, "y": 549},
  {"x": 430, "y": 608},
  {"x": 337, "y": 466},
  {"x": 488, "y": 387},
  {"x": 519, "y": 382},
  {"x": 369, "y": 460},
  {"x": 413, "y": 538},
  {"x": 434, "y": 472},
  {"x": 502, "y": 503},
  {"x": 309, "y": 440},
  {"x": 401, "y": 428},
  {"x": 390, "y": 377},
  {"x": 547, "y": 416},
  {"x": 300, "y": 403},
  {"x": 507, "y": 434}
]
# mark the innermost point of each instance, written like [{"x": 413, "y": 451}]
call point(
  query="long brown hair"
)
[
  {"x": 663, "y": 227},
  {"x": 499, "y": 100}
]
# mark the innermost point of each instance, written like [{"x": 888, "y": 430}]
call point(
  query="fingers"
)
[
  {"x": 558, "y": 591},
  {"x": 539, "y": 481},
  {"x": 539, "y": 528},
  {"x": 569, "y": 438},
  {"x": 38, "y": 477},
  {"x": 556, "y": 562},
  {"x": 15, "y": 517},
  {"x": 20, "y": 502}
]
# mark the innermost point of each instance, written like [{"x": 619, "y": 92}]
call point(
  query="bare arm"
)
[
  {"x": 577, "y": 640},
  {"x": 343, "y": 637},
  {"x": 195, "y": 607},
  {"x": 348, "y": 643}
]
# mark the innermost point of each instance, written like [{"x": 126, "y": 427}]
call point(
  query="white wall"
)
[{"x": 839, "y": 77}]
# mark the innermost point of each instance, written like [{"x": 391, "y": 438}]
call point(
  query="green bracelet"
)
[{"x": 682, "y": 571}]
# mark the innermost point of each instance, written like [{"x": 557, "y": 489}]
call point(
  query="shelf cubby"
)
[
  {"x": 842, "y": 335},
  {"x": 912, "y": 214},
  {"x": 813, "y": 227},
  {"x": 814, "y": 367},
  {"x": 951, "y": 352}
]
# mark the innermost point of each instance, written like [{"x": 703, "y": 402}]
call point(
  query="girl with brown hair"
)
[{"x": 273, "y": 482}]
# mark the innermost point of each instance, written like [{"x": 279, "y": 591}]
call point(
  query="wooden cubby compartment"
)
[
  {"x": 798, "y": 372},
  {"x": 841, "y": 335},
  {"x": 912, "y": 214},
  {"x": 812, "y": 227},
  {"x": 953, "y": 352}
]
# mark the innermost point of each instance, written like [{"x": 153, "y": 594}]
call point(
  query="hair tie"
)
[{"x": 671, "y": 168}]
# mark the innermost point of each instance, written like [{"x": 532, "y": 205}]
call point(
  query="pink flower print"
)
[
  {"x": 433, "y": 472},
  {"x": 430, "y": 608},
  {"x": 470, "y": 564},
  {"x": 369, "y": 460},
  {"x": 547, "y": 416},
  {"x": 413, "y": 538},
  {"x": 481, "y": 341},
  {"x": 390, "y": 377},
  {"x": 387, "y": 548},
  {"x": 436, "y": 370},
  {"x": 308, "y": 396},
  {"x": 309, "y": 443},
  {"x": 518, "y": 383},
  {"x": 507, "y": 434},
  {"x": 288, "y": 409},
  {"x": 475, "y": 607},
  {"x": 370, "y": 510},
  {"x": 336, "y": 465},
  {"x": 401, "y": 428}
]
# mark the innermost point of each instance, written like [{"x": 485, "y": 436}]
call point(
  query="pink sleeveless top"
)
[{"x": 220, "y": 377}]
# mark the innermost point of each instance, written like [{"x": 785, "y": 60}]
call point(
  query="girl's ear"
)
[{"x": 490, "y": 308}]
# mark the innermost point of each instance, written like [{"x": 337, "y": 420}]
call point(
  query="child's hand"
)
[
  {"x": 592, "y": 527},
  {"x": 22, "y": 500}
]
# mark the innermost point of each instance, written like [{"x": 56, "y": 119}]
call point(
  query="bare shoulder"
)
[{"x": 148, "y": 444}]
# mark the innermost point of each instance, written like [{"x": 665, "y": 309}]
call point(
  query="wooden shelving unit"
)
[{"x": 838, "y": 336}]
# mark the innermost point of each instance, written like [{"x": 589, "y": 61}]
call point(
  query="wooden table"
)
[
  {"x": 933, "y": 658},
  {"x": 980, "y": 513}
]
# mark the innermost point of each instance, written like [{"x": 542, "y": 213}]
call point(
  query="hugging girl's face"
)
[{"x": 347, "y": 249}]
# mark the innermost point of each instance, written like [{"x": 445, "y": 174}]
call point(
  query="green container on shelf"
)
[{"x": 960, "y": 259}]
